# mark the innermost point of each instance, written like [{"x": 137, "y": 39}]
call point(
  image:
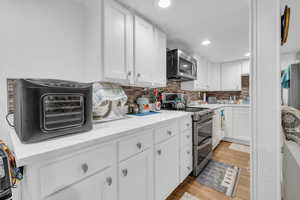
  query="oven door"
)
[
  {"x": 202, "y": 155},
  {"x": 202, "y": 131}
]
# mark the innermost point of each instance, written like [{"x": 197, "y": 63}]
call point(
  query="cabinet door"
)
[
  {"x": 101, "y": 186},
  {"x": 214, "y": 77},
  {"x": 241, "y": 124},
  {"x": 159, "y": 76},
  {"x": 202, "y": 74},
  {"x": 166, "y": 168},
  {"x": 231, "y": 76},
  {"x": 246, "y": 67},
  {"x": 135, "y": 176},
  {"x": 228, "y": 122},
  {"x": 118, "y": 43},
  {"x": 144, "y": 54}
]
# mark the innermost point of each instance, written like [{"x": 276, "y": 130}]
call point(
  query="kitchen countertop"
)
[
  {"x": 27, "y": 154},
  {"x": 216, "y": 106}
]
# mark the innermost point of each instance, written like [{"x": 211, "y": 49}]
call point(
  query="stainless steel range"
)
[{"x": 202, "y": 136}]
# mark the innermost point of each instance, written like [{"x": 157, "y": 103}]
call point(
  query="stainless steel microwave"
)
[{"x": 180, "y": 66}]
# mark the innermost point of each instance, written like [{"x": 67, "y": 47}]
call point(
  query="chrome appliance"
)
[
  {"x": 109, "y": 102},
  {"x": 173, "y": 101},
  {"x": 202, "y": 136},
  {"x": 47, "y": 108},
  {"x": 180, "y": 66}
]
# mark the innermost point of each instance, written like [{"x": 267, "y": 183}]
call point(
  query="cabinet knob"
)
[
  {"x": 138, "y": 75},
  {"x": 129, "y": 73},
  {"x": 169, "y": 132},
  {"x": 109, "y": 181},
  {"x": 188, "y": 136},
  {"x": 125, "y": 172},
  {"x": 189, "y": 168},
  {"x": 188, "y": 125},
  {"x": 139, "y": 145},
  {"x": 159, "y": 152},
  {"x": 84, "y": 167},
  {"x": 188, "y": 152}
]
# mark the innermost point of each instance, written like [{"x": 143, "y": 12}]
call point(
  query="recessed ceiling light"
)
[
  {"x": 248, "y": 54},
  {"x": 164, "y": 3},
  {"x": 205, "y": 42}
]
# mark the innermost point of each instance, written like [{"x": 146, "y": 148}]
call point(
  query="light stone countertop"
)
[
  {"x": 216, "y": 106},
  {"x": 27, "y": 154}
]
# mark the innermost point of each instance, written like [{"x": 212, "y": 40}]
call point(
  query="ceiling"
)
[
  {"x": 189, "y": 22},
  {"x": 293, "y": 43}
]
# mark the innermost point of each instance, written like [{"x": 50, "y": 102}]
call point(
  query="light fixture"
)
[
  {"x": 164, "y": 3},
  {"x": 206, "y": 42},
  {"x": 248, "y": 54}
]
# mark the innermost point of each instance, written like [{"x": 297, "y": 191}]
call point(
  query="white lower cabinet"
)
[
  {"x": 145, "y": 165},
  {"x": 217, "y": 133},
  {"x": 166, "y": 168},
  {"x": 136, "y": 177},
  {"x": 100, "y": 186},
  {"x": 241, "y": 124}
]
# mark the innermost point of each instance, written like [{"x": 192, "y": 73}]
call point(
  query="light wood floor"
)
[{"x": 226, "y": 155}]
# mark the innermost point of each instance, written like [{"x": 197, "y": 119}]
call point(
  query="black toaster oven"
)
[{"x": 47, "y": 108}]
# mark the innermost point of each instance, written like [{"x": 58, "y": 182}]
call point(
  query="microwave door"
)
[{"x": 186, "y": 67}]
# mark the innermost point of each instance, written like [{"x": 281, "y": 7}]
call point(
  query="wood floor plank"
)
[{"x": 226, "y": 155}]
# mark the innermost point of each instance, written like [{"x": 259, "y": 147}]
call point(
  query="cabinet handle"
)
[
  {"x": 125, "y": 172},
  {"x": 109, "y": 181},
  {"x": 139, "y": 145},
  {"x": 169, "y": 132},
  {"x": 159, "y": 152},
  {"x": 84, "y": 167},
  {"x": 188, "y": 168}
]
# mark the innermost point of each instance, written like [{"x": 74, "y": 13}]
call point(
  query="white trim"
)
[{"x": 265, "y": 94}]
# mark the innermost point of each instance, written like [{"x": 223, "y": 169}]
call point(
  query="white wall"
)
[{"x": 41, "y": 39}]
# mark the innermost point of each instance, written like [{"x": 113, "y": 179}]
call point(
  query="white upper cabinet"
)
[
  {"x": 144, "y": 53},
  {"x": 245, "y": 67},
  {"x": 134, "y": 51},
  {"x": 214, "y": 77},
  {"x": 231, "y": 76},
  {"x": 118, "y": 43},
  {"x": 159, "y": 76}
]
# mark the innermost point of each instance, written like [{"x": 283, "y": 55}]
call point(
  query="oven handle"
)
[{"x": 208, "y": 141}]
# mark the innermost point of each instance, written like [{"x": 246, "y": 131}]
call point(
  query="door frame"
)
[{"x": 265, "y": 99}]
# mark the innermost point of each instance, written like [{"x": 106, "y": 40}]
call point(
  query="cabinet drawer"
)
[
  {"x": 186, "y": 137},
  {"x": 58, "y": 175},
  {"x": 185, "y": 124},
  {"x": 166, "y": 132},
  {"x": 135, "y": 144}
]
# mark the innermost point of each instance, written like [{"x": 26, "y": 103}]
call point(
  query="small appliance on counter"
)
[
  {"x": 47, "y": 108},
  {"x": 109, "y": 102},
  {"x": 173, "y": 101}
]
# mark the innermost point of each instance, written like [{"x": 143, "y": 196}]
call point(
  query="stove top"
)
[{"x": 198, "y": 113}]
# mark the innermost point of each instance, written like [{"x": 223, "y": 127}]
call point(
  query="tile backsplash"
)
[
  {"x": 134, "y": 92},
  {"x": 174, "y": 86}
]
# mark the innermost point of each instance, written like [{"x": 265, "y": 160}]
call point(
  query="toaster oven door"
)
[{"x": 62, "y": 111}]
